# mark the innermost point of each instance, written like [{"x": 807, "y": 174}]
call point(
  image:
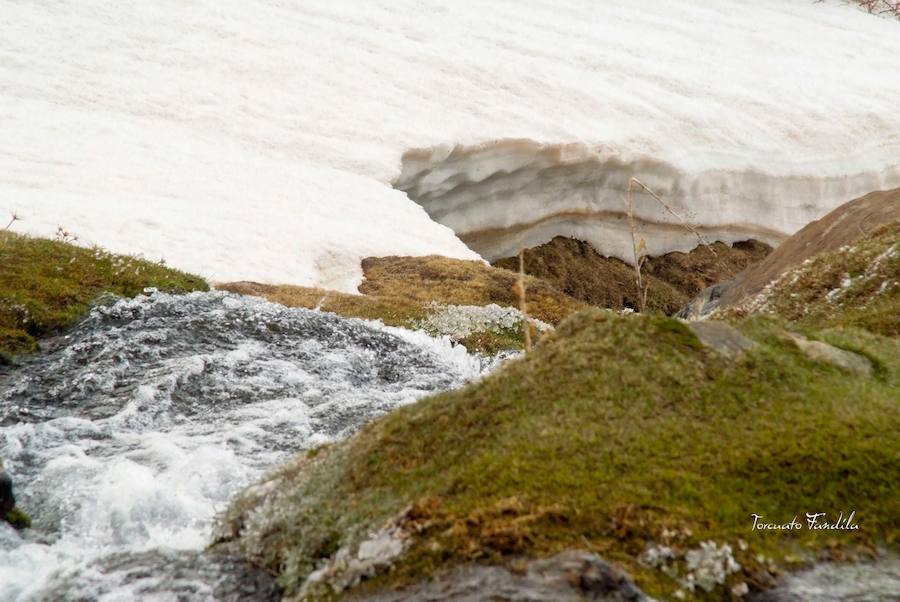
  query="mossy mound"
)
[
  {"x": 856, "y": 285},
  {"x": 405, "y": 291},
  {"x": 47, "y": 285},
  {"x": 575, "y": 268},
  {"x": 617, "y": 433}
]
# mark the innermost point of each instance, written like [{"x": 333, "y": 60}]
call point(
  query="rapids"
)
[{"x": 130, "y": 433}]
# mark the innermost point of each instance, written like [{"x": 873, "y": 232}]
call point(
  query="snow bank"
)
[
  {"x": 258, "y": 140},
  {"x": 505, "y": 194}
]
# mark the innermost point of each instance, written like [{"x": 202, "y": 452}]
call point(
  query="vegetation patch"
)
[
  {"x": 47, "y": 285},
  {"x": 413, "y": 292},
  {"x": 574, "y": 267},
  {"x": 841, "y": 227},
  {"x": 18, "y": 519},
  {"x": 855, "y": 285},
  {"x": 617, "y": 434}
]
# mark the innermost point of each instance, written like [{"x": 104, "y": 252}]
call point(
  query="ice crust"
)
[{"x": 258, "y": 140}]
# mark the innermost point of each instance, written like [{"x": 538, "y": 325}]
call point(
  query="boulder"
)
[
  {"x": 723, "y": 338},
  {"x": 823, "y": 352}
]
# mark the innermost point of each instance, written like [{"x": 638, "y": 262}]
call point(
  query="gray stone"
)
[
  {"x": 704, "y": 303},
  {"x": 571, "y": 575},
  {"x": 723, "y": 338},
  {"x": 823, "y": 352}
]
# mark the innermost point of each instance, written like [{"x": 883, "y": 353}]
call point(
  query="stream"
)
[{"x": 130, "y": 433}]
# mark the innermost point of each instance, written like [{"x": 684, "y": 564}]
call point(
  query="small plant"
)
[
  {"x": 880, "y": 7},
  {"x": 640, "y": 246},
  {"x": 63, "y": 235},
  {"x": 13, "y": 218}
]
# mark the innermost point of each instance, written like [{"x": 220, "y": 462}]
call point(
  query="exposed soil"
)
[{"x": 575, "y": 268}]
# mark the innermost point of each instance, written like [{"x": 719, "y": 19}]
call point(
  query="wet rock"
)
[
  {"x": 704, "y": 302},
  {"x": 723, "y": 338},
  {"x": 7, "y": 500},
  {"x": 167, "y": 575},
  {"x": 347, "y": 569},
  {"x": 823, "y": 352},
  {"x": 877, "y": 581},
  {"x": 571, "y": 575}
]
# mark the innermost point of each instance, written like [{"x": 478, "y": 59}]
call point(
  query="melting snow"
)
[{"x": 257, "y": 140}]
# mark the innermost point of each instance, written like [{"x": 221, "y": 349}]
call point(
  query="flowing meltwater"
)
[{"x": 129, "y": 435}]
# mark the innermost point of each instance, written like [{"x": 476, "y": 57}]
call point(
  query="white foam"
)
[{"x": 220, "y": 389}]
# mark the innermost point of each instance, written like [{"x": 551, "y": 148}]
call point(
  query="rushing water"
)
[{"x": 134, "y": 430}]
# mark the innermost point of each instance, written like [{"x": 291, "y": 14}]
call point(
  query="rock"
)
[
  {"x": 164, "y": 574},
  {"x": 8, "y": 511},
  {"x": 381, "y": 549},
  {"x": 823, "y": 352},
  {"x": 868, "y": 581},
  {"x": 7, "y": 499},
  {"x": 704, "y": 302},
  {"x": 723, "y": 338},
  {"x": 571, "y": 575},
  {"x": 348, "y": 568}
]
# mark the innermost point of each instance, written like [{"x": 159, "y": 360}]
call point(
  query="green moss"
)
[
  {"x": 614, "y": 429},
  {"x": 46, "y": 285},
  {"x": 18, "y": 519}
]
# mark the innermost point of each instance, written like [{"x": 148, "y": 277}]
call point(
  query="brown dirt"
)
[
  {"x": 397, "y": 290},
  {"x": 576, "y": 269},
  {"x": 843, "y": 226}
]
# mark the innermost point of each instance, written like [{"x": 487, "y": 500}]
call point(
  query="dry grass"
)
[
  {"x": 400, "y": 291},
  {"x": 521, "y": 289},
  {"x": 391, "y": 311},
  {"x": 13, "y": 218},
  {"x": 458, "y": 282}
]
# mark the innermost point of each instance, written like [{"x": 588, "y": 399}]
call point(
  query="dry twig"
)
[
  {"x": 520, "y": 291},
  {"x": 13, "y": 218},
  {"x": 638, "y": 247}
]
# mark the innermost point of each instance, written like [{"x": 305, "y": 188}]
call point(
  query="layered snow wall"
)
[
  {"x": 259, "y": 140},
  {"x": 507, "y": 194}
]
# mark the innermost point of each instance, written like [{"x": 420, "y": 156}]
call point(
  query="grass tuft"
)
[{"x": 47, "y": 285}]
